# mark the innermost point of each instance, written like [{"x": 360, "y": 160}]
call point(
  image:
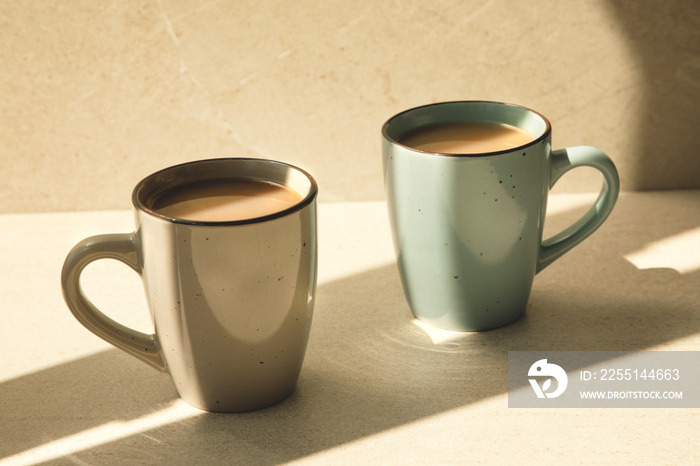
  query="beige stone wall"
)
[{"x": 97, "y": 94}]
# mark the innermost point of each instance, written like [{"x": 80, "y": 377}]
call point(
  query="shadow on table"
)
[{"x": 369, "y": 368}]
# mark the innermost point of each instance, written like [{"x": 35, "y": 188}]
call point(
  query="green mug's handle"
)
[
  {"x": 121, "y": 247},
  {"x": 561, "y": 162}
]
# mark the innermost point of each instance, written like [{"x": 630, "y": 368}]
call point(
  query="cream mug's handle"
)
[
  {"x": 121, "y": 247},
  {"x": 561, "y": 162}
]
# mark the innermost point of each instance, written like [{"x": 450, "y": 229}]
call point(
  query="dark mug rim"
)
[
  {"x": 168, "y": 178},
  {"x": 386, "y": 128}
]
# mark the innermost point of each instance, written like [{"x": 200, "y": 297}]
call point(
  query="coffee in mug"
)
[
  {"x": 466, "y": 137},
  {"x": 466, "y": 186},
  {"x": 224, "y": 200},
  {"x": 227, "y": 251}
]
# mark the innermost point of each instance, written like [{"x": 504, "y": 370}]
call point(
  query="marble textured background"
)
[{"x": 95, "y": 95}]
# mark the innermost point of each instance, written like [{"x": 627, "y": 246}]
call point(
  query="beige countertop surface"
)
[{"x": 376, "y": 388}]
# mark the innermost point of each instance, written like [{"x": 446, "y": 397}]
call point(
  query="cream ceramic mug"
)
[
  {"x": 467, "y": 227},
  {"x": 231, "y": 301}
]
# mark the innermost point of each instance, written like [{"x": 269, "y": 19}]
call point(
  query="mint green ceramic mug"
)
[{"x": 467, "y": 226}]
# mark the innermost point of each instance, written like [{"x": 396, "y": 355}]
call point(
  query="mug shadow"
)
[
  {"x": 369, "y": 368},
  {"x": 71, "y": 397}
]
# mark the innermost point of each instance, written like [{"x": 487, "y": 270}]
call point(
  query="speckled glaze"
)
[
  {"x": 467, "y": 229},
  {"x": 231, "y": 302}
]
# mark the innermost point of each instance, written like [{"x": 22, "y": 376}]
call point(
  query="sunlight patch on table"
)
[
  {"x": 679, "y": 252},
  {"x": 100, "y": 435},
  {"x": 561, "y": 203},
  {"x": 438, "y": 335}
]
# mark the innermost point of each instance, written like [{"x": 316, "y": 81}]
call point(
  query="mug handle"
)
[
  {"x": 561, "y": 162},
  {"x": 121, "y": 247}
]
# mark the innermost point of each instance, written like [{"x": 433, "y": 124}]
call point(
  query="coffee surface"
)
[
  {"x": 225, "y": 200},
  {"x": 466, "y": 137}
]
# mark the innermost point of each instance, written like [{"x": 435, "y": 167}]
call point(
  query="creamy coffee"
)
[
  {"x": 225, "y": 200},
  {"x": 466, "y": 137}
]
